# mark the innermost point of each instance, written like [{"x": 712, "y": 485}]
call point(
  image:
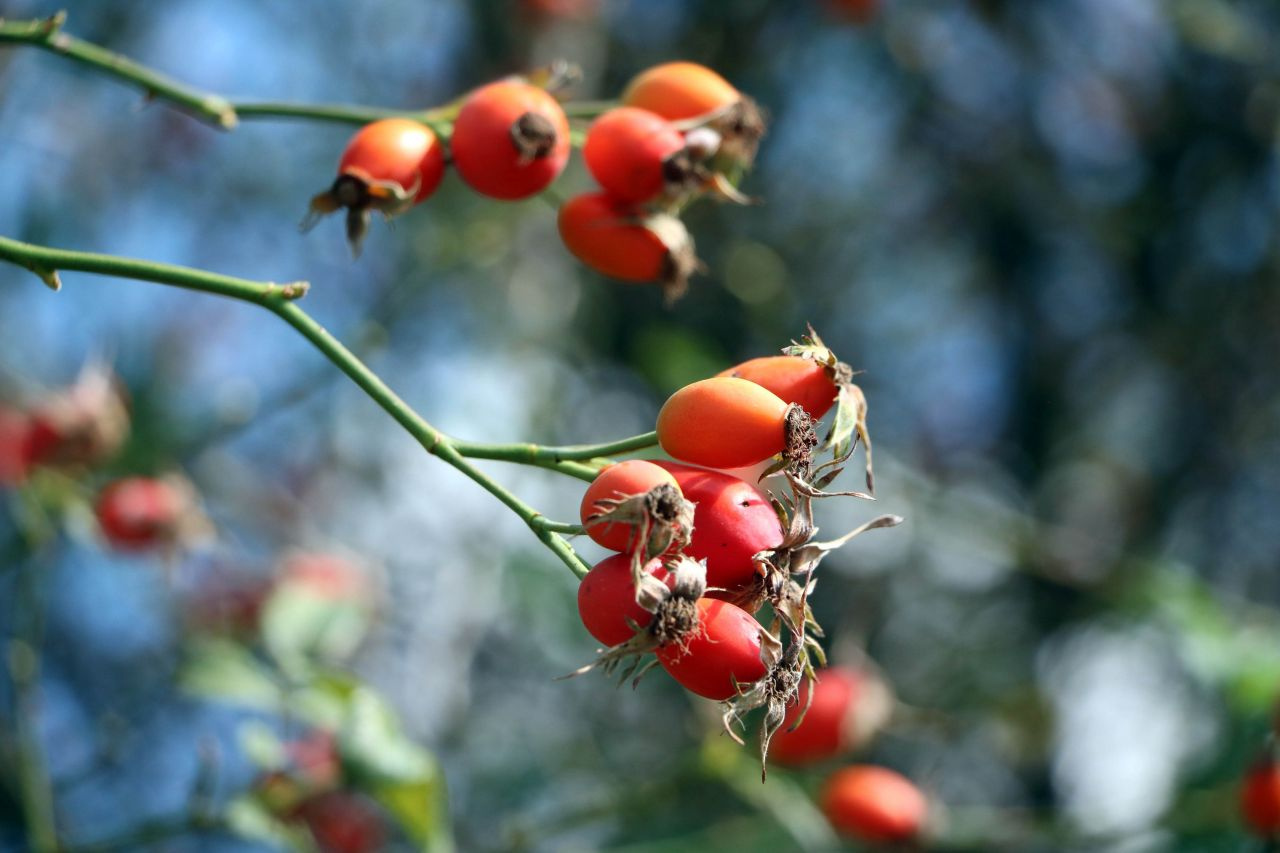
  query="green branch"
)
[
  {"x": 533, "y": 454},
  {"x": 48, "y": 34},
  {"x": 220, "y": 111},
  {"x": 279, "y": 300}
]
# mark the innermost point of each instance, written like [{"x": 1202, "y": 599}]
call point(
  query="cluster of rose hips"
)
[
  {"x": 681, "y": 130},
  {"x": 702, "y": 549}
]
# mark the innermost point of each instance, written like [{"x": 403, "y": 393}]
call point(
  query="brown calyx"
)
[
  {"x": 743, "y": 125},
  {"x": 801, "y": 438},
  {"x": 665, "y": 503},
  {"x": 674, "y": 621},
  {"x": 534, "y": 136}
]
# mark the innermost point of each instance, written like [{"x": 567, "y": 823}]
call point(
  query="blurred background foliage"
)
[{"x": 1045, "y": 230}]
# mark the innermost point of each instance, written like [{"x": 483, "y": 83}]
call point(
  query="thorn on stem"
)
[
  {"x": 294, "y": 289},
  {"x": 48, "y": 275}
]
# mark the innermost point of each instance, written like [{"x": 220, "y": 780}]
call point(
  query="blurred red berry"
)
[
  {"x": 343, "y": 822},
  {"x": 619, "y": 240},
  {"x": 848, "y": 707},
  {"x": 327, "y": 576},
  {"x": 873, "y": 804},
  {"x": 136, "y": 513},
  {"x": 14, "y": 429},
  {"x": 1260, "y": 799}
]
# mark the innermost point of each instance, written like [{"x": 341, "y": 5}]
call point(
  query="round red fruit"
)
[
  {"x": 635, "y": 154},
  {"x": 732, "y": 522},
  {"x": 873, "y": 804},
  {"x": 510, "y": 140},
  {"x": 607, "y": 599},
  {"x": 632, "y": 477},
  {"x": 396, "y": 151},
  {"x": 723, "y": 653},
  {"x": 794, "y": 379}
]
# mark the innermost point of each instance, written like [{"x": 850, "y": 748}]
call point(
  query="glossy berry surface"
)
[
  {"x": 631, "y": 477},
  {"x": 724, "y": 651},
  {"x": 399, "y": 151},
  {"x": 722, "y": 422},
  {"x": 794, "y": 379},
  {"x": 733, "y": 520},
  {"x": 680, "y": 90},
  {"x": 629, "y": 152},
  {"x": 607, "y": 599},
  {"x": 510, "y": 140},
  {"x": 873, "y": 804}
]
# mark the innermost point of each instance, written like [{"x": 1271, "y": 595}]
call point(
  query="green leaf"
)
[
  {"x": 844, "y": 425},
  {"x": 421, "y": 809},
  {"x": 221, "y": 669},
  {"x": 301, "y": 624},
  {"x": 250, "y": 819},
  {"x": 400, "y": 774}
]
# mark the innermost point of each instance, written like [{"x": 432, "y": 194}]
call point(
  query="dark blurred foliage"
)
[{"x": 1044, "y": 229}]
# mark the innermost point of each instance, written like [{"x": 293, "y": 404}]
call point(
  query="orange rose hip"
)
[{"x": 723, "y": 422}]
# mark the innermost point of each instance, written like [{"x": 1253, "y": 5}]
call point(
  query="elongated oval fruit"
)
[
  {"x": 732, "y": 522},
  {"x": 794, "y": 379},
  {"x": 723, "y": 422},
  {"x": 632, "y": 477},
  {"x": 722, "y": 654},
  {"x": 873, "y": 804},
  {"x": 680, "y": 90},
  {"x": 848, "y": 707},
  {"x": 625, "y": 242},
  {"x": 687, "y": 92},
  {"x": 607, "y": 599},
  {"x": 510, "y": 140}
]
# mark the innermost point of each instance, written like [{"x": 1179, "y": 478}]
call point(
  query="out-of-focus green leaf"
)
[
  {"x": 221, "y": 669},
  {"x": 401, "y": 775},
  {"x": 421, "y": 808},
  {"x": 301, "y": 624},
  {"x": 250, "y": 819},
  {"x": 261, "y": 745}
]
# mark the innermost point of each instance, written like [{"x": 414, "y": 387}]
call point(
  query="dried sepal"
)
[
  {"x": 849, "y": 424},
  {"x": 675, "y": 621},
  {"x": 360, "y": 195},
  {"x": 661, "y": 520}
]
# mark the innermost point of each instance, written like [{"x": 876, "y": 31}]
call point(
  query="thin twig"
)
[{"x": 279, "y": 299}]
